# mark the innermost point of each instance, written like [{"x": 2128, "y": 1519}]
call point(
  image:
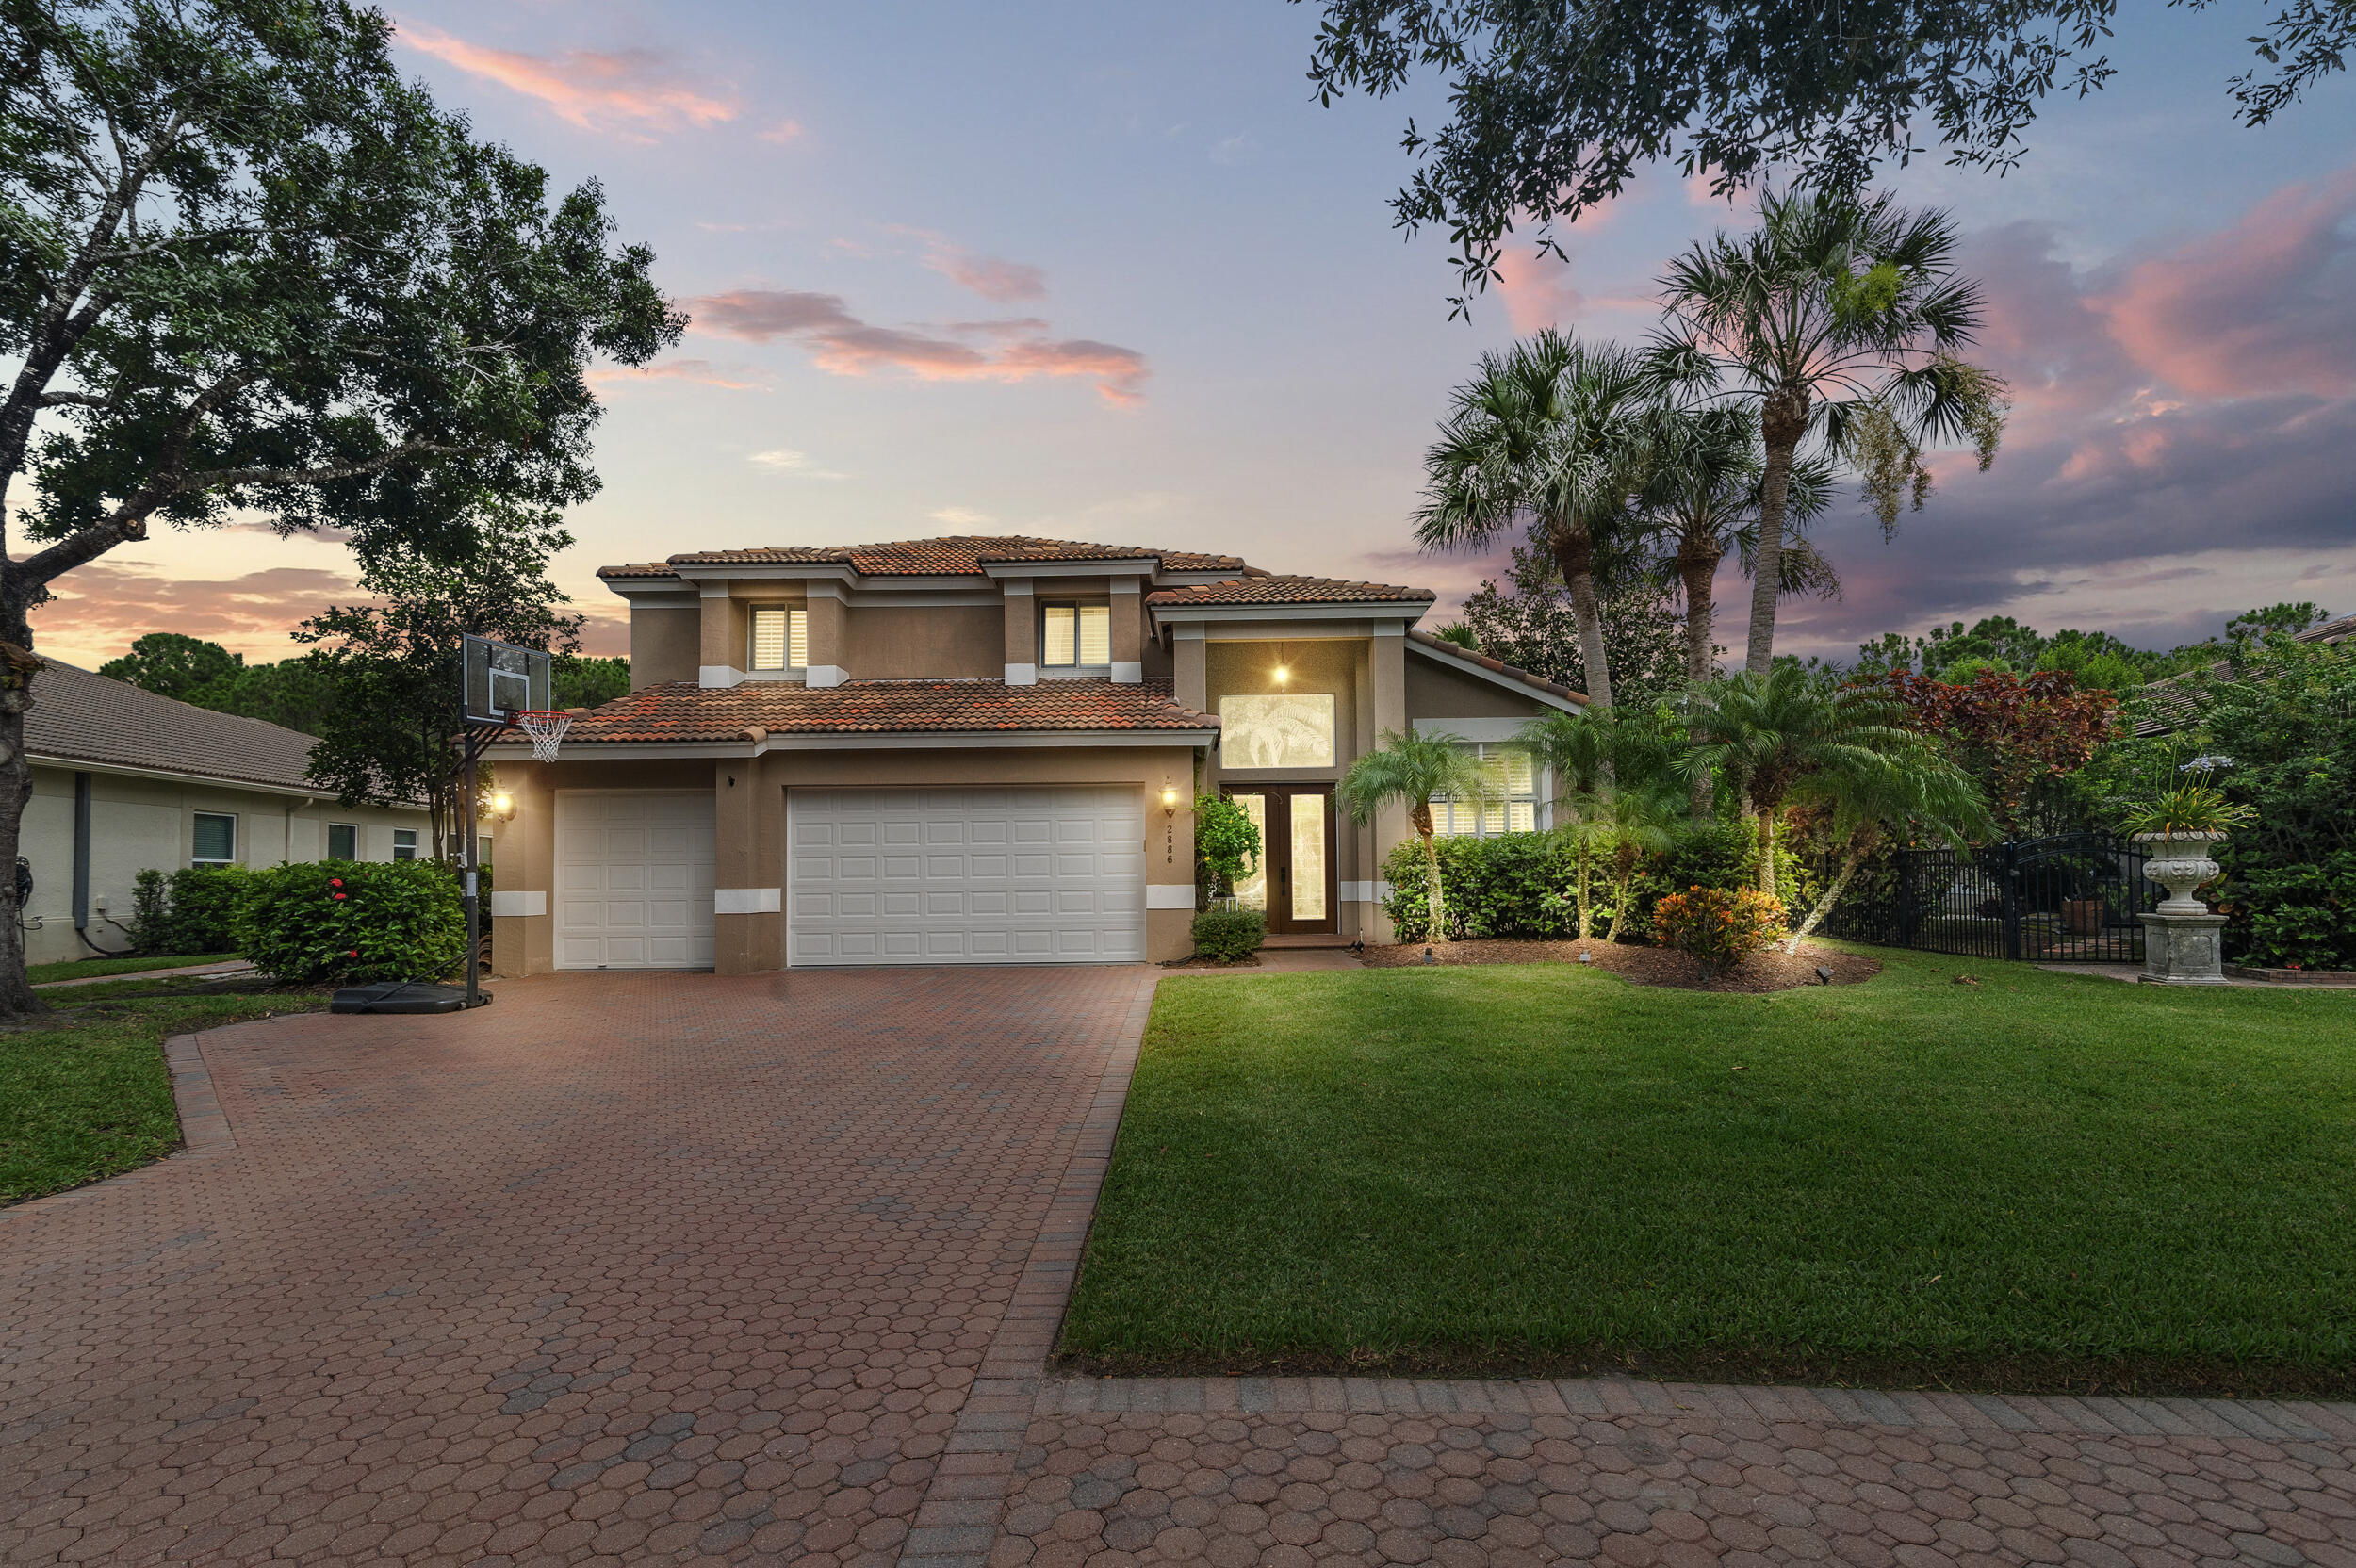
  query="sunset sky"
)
[{"x": 1106, "y": 271}]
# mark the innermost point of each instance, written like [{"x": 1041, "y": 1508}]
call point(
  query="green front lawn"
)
[
  {"x": 87, "y": 1095},
  {"x": 2040, "y": 1181},
  {"x": 82, "y": 969}
]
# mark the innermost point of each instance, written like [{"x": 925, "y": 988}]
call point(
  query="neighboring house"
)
[
  {"x": 124, "y": 780},
  {"x": 973, "y": 751},
  {"x": 2175, "y": 705}
]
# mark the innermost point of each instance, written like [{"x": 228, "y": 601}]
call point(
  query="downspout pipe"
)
[{"x": 81, "y": 867}]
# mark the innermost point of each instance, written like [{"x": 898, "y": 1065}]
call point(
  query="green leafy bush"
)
[
  {"x": 192, "y": 910},
  {"x": 1719, "y": 926},
  {"x": 1508, "y": 885},
  {"x": 1724, "y": 855},
  {"x": 1226, "y": 847},
  {"x": 350, "y": 923},
  {"x": 1224, "y": 935}
]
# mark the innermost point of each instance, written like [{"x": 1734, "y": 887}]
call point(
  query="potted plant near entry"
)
[{"x": 2182, "y": 827}]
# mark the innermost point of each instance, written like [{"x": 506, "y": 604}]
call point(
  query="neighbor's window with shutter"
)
[
  {"x": 215, "y": 839},
  {"x": 1076, "y": 635},
  {"x": 1512, "y": 777},
  {"x": 343, "y": 840},
  {"x": 780, "y": 638}
]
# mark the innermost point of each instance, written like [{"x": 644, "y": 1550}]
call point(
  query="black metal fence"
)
[{"x": 2072, "y": 897}]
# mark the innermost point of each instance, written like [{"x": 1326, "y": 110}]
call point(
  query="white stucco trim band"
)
[
  {"x": 514, "y": 905},
  {"x": 748, "y": 901},
  {"x": 1170, "y": 895},
  {"x": 719, "y": 675},
  {"x": 1365, "y": 892}
]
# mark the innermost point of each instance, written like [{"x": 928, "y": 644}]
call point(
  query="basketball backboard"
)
[{"x": 503, "y": 679}]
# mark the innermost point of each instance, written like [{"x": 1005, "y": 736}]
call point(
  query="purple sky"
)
[{"x": 1107, "y": 271}]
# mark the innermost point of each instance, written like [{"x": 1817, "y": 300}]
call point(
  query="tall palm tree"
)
[
  {"x": 1913, "y": 789},
  {"x": 1701, "y": 500},
  {"x": 1788, "y": 731},
  {"x": 1842, "y": 315},
  {"x": 1547, "y": 436},
  {"x": 1409, "y": 770}
]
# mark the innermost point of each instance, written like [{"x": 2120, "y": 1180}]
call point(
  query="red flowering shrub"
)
[
  {"x": 1720, "y": 926},
  {"x": 372, "y": 921}
]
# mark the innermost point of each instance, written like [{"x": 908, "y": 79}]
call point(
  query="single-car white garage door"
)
[
  {"x": 966, "y": 876},
  {"x": 634, "y": 880}
]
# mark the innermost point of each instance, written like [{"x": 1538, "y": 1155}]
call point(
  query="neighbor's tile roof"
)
[
  {"x": 682, "y": 710},
  {"x": 957, "y": 555},
  {"x": 1494, "y": 666},
  {"x": 77, "y": 716},
  {"x": 2175, "y": 705},
  {"x": 1289, "y": 589}
]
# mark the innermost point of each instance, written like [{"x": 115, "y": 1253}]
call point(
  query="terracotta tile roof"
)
[
  {"x": 1494, "y": 666},
  {"x": 957, "y": 555},
  {"x": 78, "y": 716},
  {"x": 682, "y": 710},
  {"x": 1261, "y": 589}
]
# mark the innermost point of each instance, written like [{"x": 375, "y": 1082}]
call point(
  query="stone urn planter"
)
[{"x": 2183, "y": 942}]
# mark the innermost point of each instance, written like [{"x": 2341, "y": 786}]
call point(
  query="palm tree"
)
[
  {"x": 1913, "y": 787},
  {"x": 1546, "y": 437},
  {"x": 1411, "y": 770},
  {"x": 1703, "y": 500},
  {"x": 1841, "y": 314},
  {"x": 1620, "y": 780},
  {"x": 1788, "y": 732}
]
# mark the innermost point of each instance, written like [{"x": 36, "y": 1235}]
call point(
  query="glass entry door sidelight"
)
[{"x": 1295, "y": 882}]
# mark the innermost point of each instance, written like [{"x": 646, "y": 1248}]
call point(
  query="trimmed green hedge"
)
[
  {"x": 1228, "y": 934},
  {"x": 351, "y": 923},
  {"x": 1521, "y": 885},
  {"x": 192, "y": 910}
]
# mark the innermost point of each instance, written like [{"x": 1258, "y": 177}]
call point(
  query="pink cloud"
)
[
  {"x": 844, "y": 345},
  {"x": 101, "y": 608},
  {"x": 590, "y": 89},
  {"x": 784, "y": 130},
  {"x": 2261, "y": 307},
  {"x": 989, "y": 276},
  {"x": 735, "y": 377}
]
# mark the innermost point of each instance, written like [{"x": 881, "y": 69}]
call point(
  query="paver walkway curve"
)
[{"x": 645, "y": 1268}]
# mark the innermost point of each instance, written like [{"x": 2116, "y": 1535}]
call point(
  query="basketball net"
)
[{"x": 545, "y": 729}]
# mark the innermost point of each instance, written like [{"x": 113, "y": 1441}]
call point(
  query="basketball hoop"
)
[{"x": 545, "y": 728}]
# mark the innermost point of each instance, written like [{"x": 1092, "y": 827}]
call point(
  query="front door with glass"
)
[{"x": 1295, "y": 882}]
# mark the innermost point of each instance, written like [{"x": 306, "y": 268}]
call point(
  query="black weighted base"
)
[{"x": 405, "y": 996}]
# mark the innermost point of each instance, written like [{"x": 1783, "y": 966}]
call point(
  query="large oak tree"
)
[{"x": 246, "y": 268}]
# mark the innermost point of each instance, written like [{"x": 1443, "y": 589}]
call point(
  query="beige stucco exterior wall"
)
[
  {"x": 961, "y": 642},
  {"x": 665, "y": 641},
  {"x": 1436, "y": 691},
  {"x": 751, "y": 821},
  {"x": 139, "y": 822}
]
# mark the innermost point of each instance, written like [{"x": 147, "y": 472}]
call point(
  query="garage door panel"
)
[
  {"x": 978, "y": 875},
  {"x": 634, "y": 880}
]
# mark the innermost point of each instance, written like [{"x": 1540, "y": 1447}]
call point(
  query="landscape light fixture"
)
[{"x": 1824, "y": 975}]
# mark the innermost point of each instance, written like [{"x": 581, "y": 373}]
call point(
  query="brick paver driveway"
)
[
  {"x": 644, "y": 1269},
  {"x": 670, "y": 1269}
]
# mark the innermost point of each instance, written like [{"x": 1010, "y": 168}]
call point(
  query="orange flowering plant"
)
[{"x": 1718, "y": 926}]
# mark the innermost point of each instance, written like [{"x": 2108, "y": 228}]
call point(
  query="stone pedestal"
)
[{"x": 2183, "y": 950}]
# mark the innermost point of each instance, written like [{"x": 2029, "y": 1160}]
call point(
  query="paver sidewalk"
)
[{"x": 653, "y": 1268}]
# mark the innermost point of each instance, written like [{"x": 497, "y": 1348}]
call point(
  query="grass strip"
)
[{"x": 83, "y": 969}]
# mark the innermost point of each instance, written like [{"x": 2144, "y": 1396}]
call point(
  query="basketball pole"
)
[{"x": 474, "y": 897}]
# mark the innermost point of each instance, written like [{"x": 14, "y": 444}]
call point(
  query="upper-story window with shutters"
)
[
  {"x": 780, "y": 638},
  {"x": 1074, "y": 637}
]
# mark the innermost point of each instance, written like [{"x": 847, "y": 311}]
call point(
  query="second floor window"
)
[
  {"x": 1073, "y": 635},
  {"x": 780, "y": 638}
]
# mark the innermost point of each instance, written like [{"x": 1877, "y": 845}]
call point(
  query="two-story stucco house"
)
[{"x": 973, "y": 751}]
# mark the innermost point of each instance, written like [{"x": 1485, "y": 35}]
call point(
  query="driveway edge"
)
[
  {"x": 956, "y": 1524},
  {"x": 204, "y": 1129}
]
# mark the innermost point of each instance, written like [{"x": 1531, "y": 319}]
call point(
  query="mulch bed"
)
[{"x": 1773, "y": 970}]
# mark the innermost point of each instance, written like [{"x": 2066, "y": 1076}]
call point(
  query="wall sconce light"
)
[
  {"x": 1169, "y": 800},
  {"x": 1282, "y": 675},
  {"x": 502, "y": 804}
]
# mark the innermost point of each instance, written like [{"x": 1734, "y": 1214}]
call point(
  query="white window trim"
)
[
  {"x": 231, "y": 818},
  {"x": 330, "y": 844},
  {"x": 414, "y": 847}
]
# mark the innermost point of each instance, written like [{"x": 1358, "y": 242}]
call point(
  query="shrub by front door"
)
[{"x": 1295, "y": 882}]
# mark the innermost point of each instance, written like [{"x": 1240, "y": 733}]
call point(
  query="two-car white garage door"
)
[
  {"x": 965, "y": 876},
  {"x": 872, "y": 876}
]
